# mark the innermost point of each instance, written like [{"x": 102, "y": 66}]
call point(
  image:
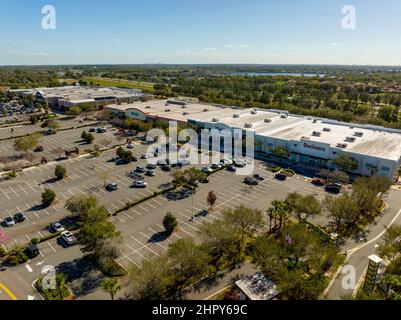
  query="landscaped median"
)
[{"x": 60, "y": 291}]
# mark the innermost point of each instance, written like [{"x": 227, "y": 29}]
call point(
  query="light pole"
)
[{"x": 192, "y": 218}]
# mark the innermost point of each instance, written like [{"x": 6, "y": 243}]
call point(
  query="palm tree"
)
[
  {"x": 111, "y": 286},
  {"x": 281, "y": 210},
  {"x": 60, "y": 283}
]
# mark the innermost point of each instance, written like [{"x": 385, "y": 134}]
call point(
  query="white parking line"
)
[{"x": 146, "y": 247}]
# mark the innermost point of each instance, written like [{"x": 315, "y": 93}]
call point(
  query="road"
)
[{"x": 357, "y": 253}]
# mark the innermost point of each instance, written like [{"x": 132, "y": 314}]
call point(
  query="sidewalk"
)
[{"x": 209, "y": 288}]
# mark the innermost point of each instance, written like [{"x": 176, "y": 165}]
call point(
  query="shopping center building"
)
[{"x": 311, "y": 141}]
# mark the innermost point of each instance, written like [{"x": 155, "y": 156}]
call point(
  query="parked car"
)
[
  {"x": 39, "y": 149},
  {"x": 231, "y": 168},
  {"x": 56, "y": 227},
  {"x": 130, "y": 146},
  {"x": 68, "y": 238},
  {"x": 31, "y": 250},
  {"x": 92, "y": 130},
  {"x": 216, "y": 166},
  {"x": 207, "y": 169},
  {"x": 9, "y": 222},
  {"x": 176, "y": 165},
  {"x": 166, "y": 168},
  {"x": 318, "y": 182},
  {"x": 140, "y": 169},
  {"x": 184, "y": 162},
  {"x": 19, "y": 217},
  {"x": 194, "y": 184},
  {"x": 101, "y": 130},
  {"x": 139, "y": 184},
  {"x": 240, "y": 164},
  {"x": 226, "y": 161},
  {"x": 333, "y": 187},
  {"x": 259, "y": 177},
  {"x": 144, "y": 156},
  {"x": 161, "y": 162},
  {"x": 204, "y": 180},
  {"x": 280, "y": 176},
  {"x": 113, "y": 186},
  {"x": 150, "y": 173},
  {"x": 251, "y": 181},
  {"x": 151, "y": 166}
]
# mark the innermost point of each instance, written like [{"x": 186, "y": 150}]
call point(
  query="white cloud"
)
[
  {"x": 209, "y": 49},
  {"x": 116, "y": 40},
  {"x": 244, "y": 46},
  {"x": 335, "y": 44}
]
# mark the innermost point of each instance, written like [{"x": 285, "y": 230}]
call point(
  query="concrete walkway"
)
[{"x": 209, "y": 288}]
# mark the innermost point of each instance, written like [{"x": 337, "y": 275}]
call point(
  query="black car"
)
[
  {"x": 151, "y": 166},
  {"x": 19, "y": 217},
  {"x": 166, "y": 168},
  {"x": 259, "y": 177},
  {"x": 32, "y": 250},
  {"x": 204, "y": 180},
  {"x": 92, "y": 130},
  {"x": 112, "y": 186},
  {"x": 251, "y": 181},
  {"x": 150, "y": 173},
  {"x": 140, "y": 169},
  {"x": 280, "y": 176},
  {"x": 231, "y": 168},
  {"x": 333, "y": 187}
]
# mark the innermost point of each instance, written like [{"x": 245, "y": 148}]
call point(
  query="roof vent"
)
[
  {"x": 314, "y": 120},
  {"x": 342, "y": 145},
  {"x": 235, "y": 115},
  {"x": 316, "y": 133},
  {"x": 215, "y": 120},
  {"x": 268, "y": 120},
  {"x": 327, "y": 129},
  {"x": 309, "y": 118},
  {"x": 205, "y": 110},
  {"x": 254, "y": 112},
  {"x": 358, "y": 134},
  {"x": 167, "y": 110},
  {"x": 350, "y": 139},
  {"x": 305, "y": 138},
  {"x": 284, "y": 116},
  {"x": 147, "y": 107},
  {"x": 185, "y": 113},
  {"x": 248, "y": 125}
]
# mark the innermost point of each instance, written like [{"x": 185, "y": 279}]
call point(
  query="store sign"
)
[{"x": 313, "y": 147}]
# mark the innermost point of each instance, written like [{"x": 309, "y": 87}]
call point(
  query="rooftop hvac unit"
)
[
  {"x": 351, "y": 127},
  {"x": 284, "y": 116},
  {"x": 268, "y": 120},
  {"x": 205, "y": 110},
  {"x": 254, "y": 112},
  {"x": 185, "y": 113},
  {"x": 248, "y": 125},
  {"x": 326, "y": 129},
  {"x": 350, "y": 139},
  {"x": 314, "y": 120},
  {"x": 358, "y": 134},
  {"x": 235, "y": 115},
  {"x": 147, "y": 107},
  {"x": 316, "y": 133},
  {"x": 215, "y": 120},
  {"x": 184, "y": 106},
  {"x": 342, "y": 145},
  {"x": 309, "y": 118},
  {"x": 167, "y": 110},
  {"x": 305, "y": 138}
]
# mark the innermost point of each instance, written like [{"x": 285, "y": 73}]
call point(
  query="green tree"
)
[
  {"x": 308, "y": 204},
  {"x": 279, "y": 210},
  {"x": 74, "y": 110},
  {"x": 345, "y": 163},
  {"x": 87, "y": 137},
  {"x": 48, "y": 196},
  {"x": 111, "y": 286},
  {"x": 343, "y": 209},
  {"x": 25, "y": 144},
  {"x": 152, "y": 281},
  {"x": 169, "y": 223},
  {"x": 125, "y": 155},
  {"x": 390, "y": 247},
  {"x": 60, "y": 284},
  {"x": 60, "y": 171},
  {"x": 187, "y": 261}
]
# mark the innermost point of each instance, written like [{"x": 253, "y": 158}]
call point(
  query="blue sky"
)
[{"x": 201, "y": 31}]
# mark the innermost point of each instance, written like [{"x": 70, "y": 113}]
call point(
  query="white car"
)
[
  {"x": 184, "y": 162},
  {"x": 56, "y": 227},
  {"x": 140, "y": 184},
  {"x": 240, "y": 164},
  {"x": 226, "y": 161},
  {"x": 68, "y": 238},
  {"x": 130, "y": 146},
  {"x": 207, "y": 169},
  {"x": 9, "y": 222}
]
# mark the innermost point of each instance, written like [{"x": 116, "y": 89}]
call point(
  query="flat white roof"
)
[{"x": 367, "y": 140}]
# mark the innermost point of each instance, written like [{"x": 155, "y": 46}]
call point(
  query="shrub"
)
[
  {"x": 169, "y": 223},
  {"x": 35, "y": 241},
  {"x": 12, "y": 174},
  {"x": 3, "y": 251},
  {"x": 48, "y": 196},
  {"x": 60, "y": 172}
]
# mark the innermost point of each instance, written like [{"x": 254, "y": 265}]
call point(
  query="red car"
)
[{"x": 319, "y": 182}]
